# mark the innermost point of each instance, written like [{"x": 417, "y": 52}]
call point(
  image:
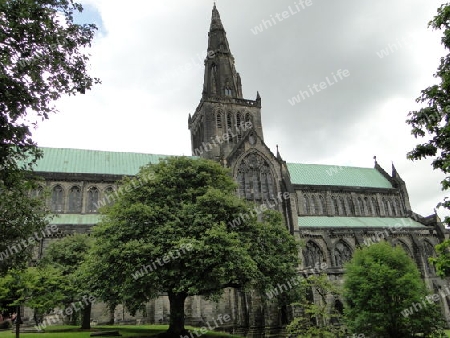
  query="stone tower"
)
[{"x": 219, "y": 122}]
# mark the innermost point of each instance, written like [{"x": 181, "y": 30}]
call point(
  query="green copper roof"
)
[
  {"x": 93, "y": 161},
  {"x": 76, "y": 219},
  {"x": 82, "y": 161},
  {"x": 356, "y": 222},
  {"x": 319, "y": 174}
]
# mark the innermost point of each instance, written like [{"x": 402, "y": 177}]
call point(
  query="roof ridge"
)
[
  {"x": 331, "y": 165},
  {"x": 107, "y": 151}
]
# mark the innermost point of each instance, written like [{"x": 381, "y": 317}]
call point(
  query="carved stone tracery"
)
[{"x": 255, "y": 178}]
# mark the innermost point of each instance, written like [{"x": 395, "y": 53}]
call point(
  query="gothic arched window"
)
[
  {"x": 398, "y": 207},
  {"x": 387, "y": 207},
  {"x": 335, "y": 205},
  {"x": 57, "y": 199},
  {"x": 92, "y": 200},
  {"x": 342, "y": 253},
  {"x": 238, "y": 127},
  {"x": 361, "y": 206},
  {"x": 312, "y": 255},
  {"x": 219, "y": 120},
  {"x": 35, "y": 193},
  {"x": 213, "y": 79},
  {"x": 323, "y": 205},
  {"x": 312, "y": 206},
  {"x": 75, "y": 199},
  {"x": 345, "y": 210},
  {"x": 375, "y": 207},
  {"x": 229, "y": 122},
  {"x": 366, "y": 206},
  {"x": 306, "y": 204},
  {"x": 351, "y": 206},
  {"x": 238, "y": 120},
  {"x": 248, "y": 118},
  {"x": 317, "y": 204},
  {"x": 255, "y": 178}
]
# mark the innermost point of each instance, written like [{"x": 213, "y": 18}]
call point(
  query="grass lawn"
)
[
  {"x": 142, "y": 331},
  {"x": 125, "y": 330}
]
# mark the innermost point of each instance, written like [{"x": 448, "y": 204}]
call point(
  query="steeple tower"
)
[
  {"x": 218, "y": 123},
  {"x": 221, "y": 78}
]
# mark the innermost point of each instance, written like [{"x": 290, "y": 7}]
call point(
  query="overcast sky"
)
[{"x": 149, "y": 55}]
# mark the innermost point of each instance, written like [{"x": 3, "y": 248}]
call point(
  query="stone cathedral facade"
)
[{"x": 330, "y": 209}]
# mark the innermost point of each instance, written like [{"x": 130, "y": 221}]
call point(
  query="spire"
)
[
  {"x": 278, "y": 154},
  {"x": 394, "y": 170},
  {"x": 221, "y": 79},
  {"x": 216, "y": 23}
]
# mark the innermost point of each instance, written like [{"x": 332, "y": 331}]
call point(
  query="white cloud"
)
[{"x": 146, "y": 95}]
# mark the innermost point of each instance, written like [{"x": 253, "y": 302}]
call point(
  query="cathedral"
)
[{"x": 330, "y": 209}]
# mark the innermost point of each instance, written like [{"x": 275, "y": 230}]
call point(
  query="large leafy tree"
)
[
  {"x": 67, "y": 256},
  {"x": 169, "y": 233},
  {"x": 42, "y": 56},
  {"x": 385, "y": 295},
  {"x": 432, "y": 122}
]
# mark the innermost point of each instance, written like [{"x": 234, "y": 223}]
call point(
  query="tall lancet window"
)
[
  {"x": 227, "y": 89},
  {"x": 255, "y": 178},
  {"x": 229, "y": 122},
  {"x": 219, "y": 120},
  {"x": 312, "y": 255},
  {"x": 213, "y": 79},
  {"x": 342, "y": 253},
  {"x": 57, "y": 199},
  {"x": 238, "y": 127},
  {"x": 75, "y": 199},
  {"x": 92, "y": 200}
]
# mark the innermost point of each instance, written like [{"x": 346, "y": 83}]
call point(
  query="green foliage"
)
[
  {"x": 170, "y": 233},
  {"x": 442, "y": 259},
  {"x": 37, "y": 288},
  {"x": 66, "y": 257},
  {"x": 22, "y": 215},
  {"x": 381, "y": 283},
  {"x": 41, "y": 58},
  {"x": 317, "y": 318},
  {"x": 433, "y": 121}
]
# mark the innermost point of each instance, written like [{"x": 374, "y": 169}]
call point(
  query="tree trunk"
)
[
  {"x": 86, "y": 317},
  {"x": 176, "y": 325},
  {"x": 18, "y": 320},
  {"x": 112, "y": 310}
]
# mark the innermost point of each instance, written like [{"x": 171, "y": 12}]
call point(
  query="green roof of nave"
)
[
  {"x": 320, "y": 174},
  {"x": 65, "y": 160}
]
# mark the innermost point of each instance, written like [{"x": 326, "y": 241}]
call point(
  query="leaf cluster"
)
[
  {"x": 317, "y": 316},
  {"x": 42, "y": 56},
  {"x": 380, "y": 282},
  {"x": 432, "y": 121}
]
